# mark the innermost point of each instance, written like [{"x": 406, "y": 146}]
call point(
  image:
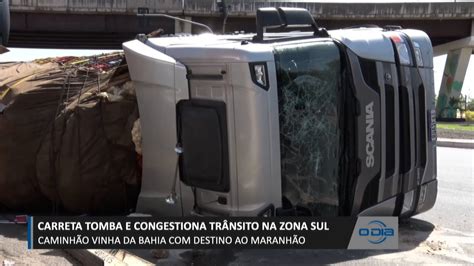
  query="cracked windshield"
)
[{"x": 309, "y": 80}]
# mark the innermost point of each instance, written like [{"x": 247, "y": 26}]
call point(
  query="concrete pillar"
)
[
  {"x": 451, "y": 84},
  {"x": 472, "y": 27},
  {"x": 182, "y": 27}
]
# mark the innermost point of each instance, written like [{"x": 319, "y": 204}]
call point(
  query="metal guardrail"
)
[
  {"x": 97, "y": 6},
  {"x": 322, "y": 10}
]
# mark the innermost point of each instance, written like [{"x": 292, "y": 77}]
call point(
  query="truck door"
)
[{"x": 160, "y": 82}]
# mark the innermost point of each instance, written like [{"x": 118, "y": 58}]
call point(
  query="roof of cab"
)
[
  {"x": 226, "y": 48},
  {"x": 232, "y": 48}
]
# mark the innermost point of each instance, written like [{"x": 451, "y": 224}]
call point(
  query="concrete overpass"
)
[{"x": 108, "y": 23}]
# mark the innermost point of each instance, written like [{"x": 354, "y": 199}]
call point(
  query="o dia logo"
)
[{"x": 376, "y": 232}]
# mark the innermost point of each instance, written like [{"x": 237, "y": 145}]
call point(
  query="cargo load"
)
[{"x": 66, "y": 142}]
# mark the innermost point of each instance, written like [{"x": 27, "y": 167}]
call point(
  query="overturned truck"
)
[{"x": 287, "y": 123}]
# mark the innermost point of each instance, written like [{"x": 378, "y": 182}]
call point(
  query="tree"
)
[
  {"x": 457, "y": 104},
  {"x": 470, "y": 104}
]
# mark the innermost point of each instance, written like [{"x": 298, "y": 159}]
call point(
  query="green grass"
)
[{"x": 455, "y": 126}]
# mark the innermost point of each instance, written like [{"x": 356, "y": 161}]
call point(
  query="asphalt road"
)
[
  {"x": 444, "y": 234},
  {"x": 454, "y": 206}
]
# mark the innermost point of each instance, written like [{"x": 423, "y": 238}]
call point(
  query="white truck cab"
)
[{"x": 321, "y": 123}]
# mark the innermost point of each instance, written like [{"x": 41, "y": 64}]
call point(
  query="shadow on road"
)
[{"x": 412, "y": 233}]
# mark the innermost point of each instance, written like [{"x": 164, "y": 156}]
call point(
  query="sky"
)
[{"x": 26, "y": 54}]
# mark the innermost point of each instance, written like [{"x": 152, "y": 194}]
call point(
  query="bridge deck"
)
[{"x": 107, "y": 23}]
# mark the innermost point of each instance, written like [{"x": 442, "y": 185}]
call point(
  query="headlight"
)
[
  {"x": 419, "y": 58},
  {"x": 402, "y": 49}
]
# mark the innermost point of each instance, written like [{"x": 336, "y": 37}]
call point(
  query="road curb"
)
[
  {"x": 455, "y": 143},
  {"x": 117, "y": 257}
]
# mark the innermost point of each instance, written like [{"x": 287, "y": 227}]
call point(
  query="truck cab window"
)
[{"x": 309, "y": 83}]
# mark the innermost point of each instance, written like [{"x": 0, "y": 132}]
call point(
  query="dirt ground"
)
[
  {"x": 440, "y": 246},
  {"x": 13, "y": 249}
]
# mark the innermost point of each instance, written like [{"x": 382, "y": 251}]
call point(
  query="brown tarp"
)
[{"x": 65, "y": 143}]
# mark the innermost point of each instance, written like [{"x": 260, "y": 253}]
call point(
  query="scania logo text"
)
[{"x": 369, "y": 135}]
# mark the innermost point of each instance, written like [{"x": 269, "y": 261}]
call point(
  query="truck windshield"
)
[{"x": 309, "y": 87}]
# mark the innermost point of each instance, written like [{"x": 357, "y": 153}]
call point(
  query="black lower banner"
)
[{"x": 212, "y": 232}]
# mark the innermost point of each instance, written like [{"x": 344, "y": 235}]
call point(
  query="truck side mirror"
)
[{"x": 4, "y": 21}]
